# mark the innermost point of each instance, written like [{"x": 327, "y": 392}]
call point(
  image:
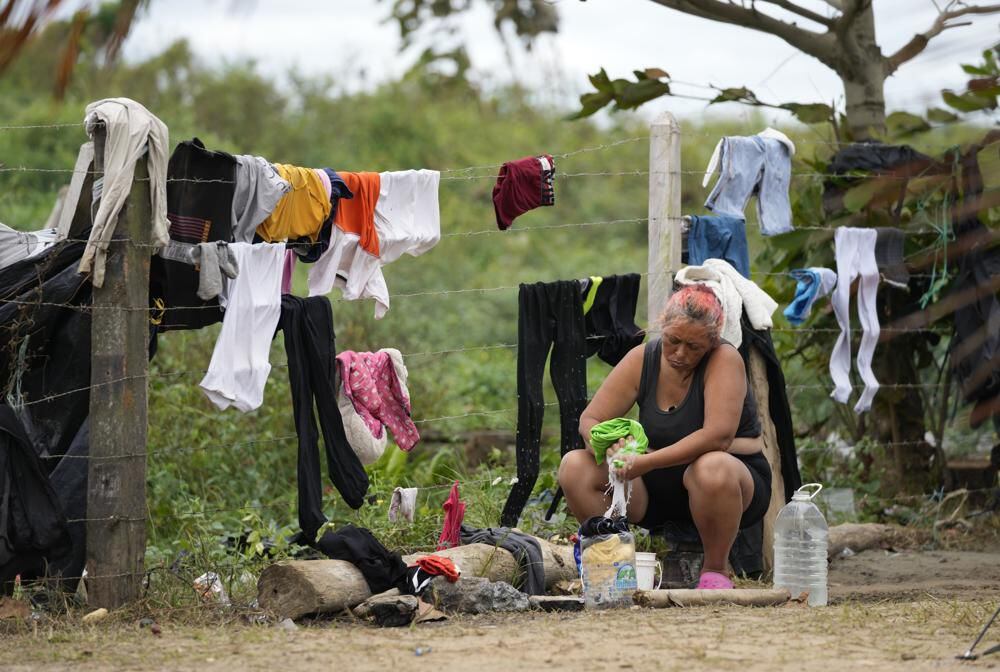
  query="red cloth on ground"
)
[
  {"x": 438, "y": 566},
  {"x": 454, "y": 512},
  {"x": 523, "y": 185}
]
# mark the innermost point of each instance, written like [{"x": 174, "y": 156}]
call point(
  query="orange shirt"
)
[
  {"x": 357, "y": 215},
  {"x": 302, "y": 211}
]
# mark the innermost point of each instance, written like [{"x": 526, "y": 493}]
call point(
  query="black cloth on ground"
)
[
  {"x": 550, "y": 316},
  {"x": 417, "y": 580},
  {"x": 598, "y": 525},
  {"x": 523, "y": 547},
  {"x": 312, "y": 375},
  {"x": 32, "y": 524},
  {"x": 975, "y": 348},
  {"x": 382, "y": 568},
  {"x": 200, "y": 186}
]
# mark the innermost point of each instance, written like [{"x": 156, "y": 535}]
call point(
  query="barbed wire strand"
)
[{"x": 557, "y": 176}]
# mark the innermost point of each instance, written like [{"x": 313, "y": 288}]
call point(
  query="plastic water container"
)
[
  {"x": 607, "y": 570},
  {"x": 800, "y": 541}
]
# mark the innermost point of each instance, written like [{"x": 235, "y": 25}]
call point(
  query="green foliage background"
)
[{"x": 215, "y": 474}]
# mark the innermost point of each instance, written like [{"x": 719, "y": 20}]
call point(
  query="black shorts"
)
[{"x": 668, "y": 498}]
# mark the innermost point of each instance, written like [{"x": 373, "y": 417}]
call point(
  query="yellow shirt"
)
[{"x": 302, "y": 211}]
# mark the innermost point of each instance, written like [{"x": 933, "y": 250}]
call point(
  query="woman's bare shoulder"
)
[
  {"x": 725, "y": 358},
  {"x": 632, "y": 361}
]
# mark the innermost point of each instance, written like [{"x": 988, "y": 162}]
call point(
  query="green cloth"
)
[
  {"x": 588, "y": 302},
  {"x": 604, "y": 434}
]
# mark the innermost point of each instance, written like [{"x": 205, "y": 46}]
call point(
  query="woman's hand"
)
[{"x": 633, "y": 466}]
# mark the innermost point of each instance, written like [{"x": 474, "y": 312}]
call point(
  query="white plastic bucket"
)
[{"x": 646, "y": 569}]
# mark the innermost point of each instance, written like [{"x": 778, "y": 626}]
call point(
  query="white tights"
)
[{"x": 855, "y": 250}]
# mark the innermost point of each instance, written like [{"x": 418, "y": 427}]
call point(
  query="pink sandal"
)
[{"x": 714, "y": 581}]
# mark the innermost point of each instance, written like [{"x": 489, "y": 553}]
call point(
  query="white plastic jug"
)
[{"x": 800, "y": 541}]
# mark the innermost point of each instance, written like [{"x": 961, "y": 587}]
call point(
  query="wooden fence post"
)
[
  {"x": 116, "y": 493},
  {"x": 664, "y": 211}
]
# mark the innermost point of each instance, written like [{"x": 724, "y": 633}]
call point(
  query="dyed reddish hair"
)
[{"x": 695, "y": 303}]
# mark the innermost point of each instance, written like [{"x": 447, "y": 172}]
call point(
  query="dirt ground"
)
[{"x": 889, "y": 611}]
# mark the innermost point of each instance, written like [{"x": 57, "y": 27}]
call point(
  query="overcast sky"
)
[{"x": 340, "y": 37}]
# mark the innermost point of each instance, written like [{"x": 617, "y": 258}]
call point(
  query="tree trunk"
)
[{"x": 862, "y": 70}]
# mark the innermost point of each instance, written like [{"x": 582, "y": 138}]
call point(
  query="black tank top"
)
[{"x": 664, "y": 428}]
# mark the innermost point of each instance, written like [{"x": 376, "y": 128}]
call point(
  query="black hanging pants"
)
[
  {"x": 610, "y": 322},
  {"x": 312, "y": 375},
  {"x": 550, "y": 315}
]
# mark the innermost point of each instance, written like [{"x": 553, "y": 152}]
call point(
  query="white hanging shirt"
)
[{"x": 407, "y": 221}]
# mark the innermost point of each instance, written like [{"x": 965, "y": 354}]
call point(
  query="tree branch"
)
[
  {"x": 821, "y": 46},
  {"x": 849, "y": 11},
  {"x": 802, "y": 11},
  {"x": 919, "y": 41}
]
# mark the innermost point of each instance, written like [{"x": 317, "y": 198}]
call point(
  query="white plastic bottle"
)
[{"x": 800, "y": 542}]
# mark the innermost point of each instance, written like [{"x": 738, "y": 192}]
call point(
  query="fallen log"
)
[
  {"x": 684, "y": 597},
  {"x": 294, "y": 588},
  {"x": 864, "y": 536},
  {"x": 497, "y": 564}
]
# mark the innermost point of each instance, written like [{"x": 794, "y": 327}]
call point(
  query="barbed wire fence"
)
[{"x": 126, "y": 518}]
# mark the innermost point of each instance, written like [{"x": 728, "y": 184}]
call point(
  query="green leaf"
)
[
  {"x": 873, "y": 192},
  {"x": 810, "y": 113},
  {"x": 939, "y": 116},
  {"x": 903, "y": 124},
  {"x": 739, "y": 94},
  {"x": 857, "y": 198},
  {"x": 625, "y": 94},
  {"x": 634, "y": 95},
  {"x": 968, "y": 102},
  {"x": 975, "y": 70},
  {"x": 601, "y": 81},
  {"x": 591, "y": 103}
]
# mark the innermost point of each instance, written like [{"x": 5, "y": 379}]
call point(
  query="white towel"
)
[{"x": 735, "y": 294}]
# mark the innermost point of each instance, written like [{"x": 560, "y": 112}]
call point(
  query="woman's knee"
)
[
  {"x": 713, "y": 473},
  {"x": 577, "y": 467}
]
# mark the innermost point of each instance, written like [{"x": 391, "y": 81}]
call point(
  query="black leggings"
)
[
  {"x": 668, "y": 498},
  {"x": 312, "y": 374},
  {"x": 550, "y": 315}
]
